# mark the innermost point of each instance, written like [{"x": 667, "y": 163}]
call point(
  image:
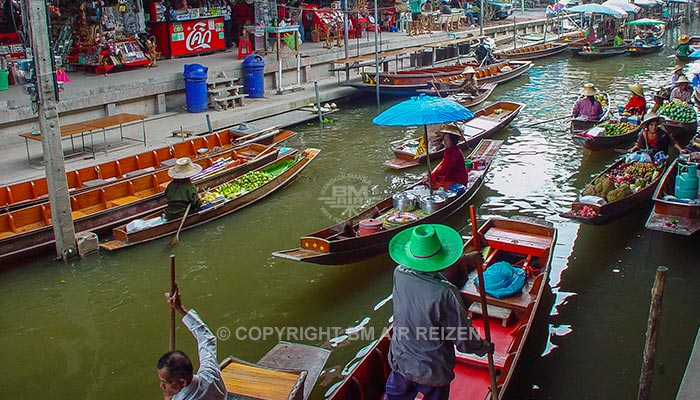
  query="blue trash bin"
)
[
  {"x": 254, "y": 84},
  {"x": 196, "y": 88}
]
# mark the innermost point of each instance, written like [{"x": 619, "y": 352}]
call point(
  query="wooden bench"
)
[{"x": 494, "y": 312}]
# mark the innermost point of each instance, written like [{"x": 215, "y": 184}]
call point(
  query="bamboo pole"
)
[
  {"x": 172, "y": 310},
  {"x": 657, "y": 293}
]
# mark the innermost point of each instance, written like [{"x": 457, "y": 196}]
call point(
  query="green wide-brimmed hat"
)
[{"x": 426, "y": 248}]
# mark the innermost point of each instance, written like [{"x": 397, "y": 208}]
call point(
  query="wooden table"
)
[
  {"x": 113, "y": 121},
  {"x": 68, "y": 130}
]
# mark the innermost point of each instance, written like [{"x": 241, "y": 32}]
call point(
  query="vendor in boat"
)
[
  {"x": 636, "y": 104},
  {"x": 677, "y": 73},
  {"x": 683, "y": 48},
  {"x": 470, "y": 85},
  {"x": 682, "y": 91},
  {"x": 588, "y": 107},
  {"x": 175, "y": 371},
  {"x": 653, "y": 139},
  {"x": 425, "y": 301},
  {"x": 451, "y": 169},
  {"x": 181, "y": 192}
]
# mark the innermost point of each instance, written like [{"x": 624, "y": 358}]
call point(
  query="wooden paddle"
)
[
  {"x": 263, "y": 152},
  {"x": 484, "y": 308},
  {"x": 259, "y": 132},
  {"x": 547, "y": 120},
  {"x": 172, "y": 310},
  {"x": 176, "y": 239}
]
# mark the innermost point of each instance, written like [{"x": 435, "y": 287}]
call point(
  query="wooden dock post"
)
[{"x": 657, "y": 293}]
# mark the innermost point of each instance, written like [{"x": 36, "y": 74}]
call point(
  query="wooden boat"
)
[
  {"x": 582, "y": 125},
  {"x": 408, "y": 82},
  {"x": 288, "y": 371},
  {"x": 694, "y": 44},
  {"x": 284, "y": 170},
  {"x": 486, "y": 123},
  {"x": 26, "y": 193},
  {"x": 457, "y": 94},
  {"x": 594, "y": 139},
  {"x": 594, "y": 53},
  {"x": 672, "y": 215},
  {"x": 602, "y": 214},
  {"x": 339, "y": 243},
  {"x": 645, "y": 49},
  {"x": 681, "y": 131},
  {"x": 511, "y": 319},
  {"x": 533, "y": 52},
  {"x": 27, "y": 232}
]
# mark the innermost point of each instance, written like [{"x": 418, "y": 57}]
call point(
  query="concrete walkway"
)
[{"x": 690, "y": 385}]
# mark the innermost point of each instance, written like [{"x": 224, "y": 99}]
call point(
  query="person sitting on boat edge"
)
[
  {"x": 430, "y": 318},
  {"x": 653, "y": 139},
  {"x": 588, "y": 107},
  {"x": 636, "y": 105},
  {"x": 181, "y": 192},
  {"x": 175, "y": 371},
  {"x": 682, "y": 91},
  {"x": 451, "y": 169}
]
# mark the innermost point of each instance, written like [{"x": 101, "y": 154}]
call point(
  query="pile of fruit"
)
[
  {"x": 613, "y": 129},
  {"x": 585, "y": 211},
  {"x": 244, "y": 184},
  {"x": 603, "y": 99},
  {"x": 622, "y": 181},
  {"x": 678, "y": 111}
]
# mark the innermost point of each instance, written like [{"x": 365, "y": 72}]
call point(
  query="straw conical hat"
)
[
  {"x": 682, "y": 79},
  {"x": 589, "y": 90},
  {"x": 637, "y": 89},
  {"x": 684, "y": 39},
  {"x": 184, "y": 168}
]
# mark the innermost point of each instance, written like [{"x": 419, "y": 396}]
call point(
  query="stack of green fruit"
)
[
  {"x": 617, "y": 129},
  {"x": 603, "y": 100},
  {"x": 678, "y": 111}
]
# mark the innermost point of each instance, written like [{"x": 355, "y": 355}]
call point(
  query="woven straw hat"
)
[
  {"x": 637, "y": 89},
  {"x": 678, "y": 67},
  {"x": 684, "y": 39},
  {"x": 589, "y": 90},
  {"x": 426, "y": 248},
  {"x": 468, "y": 70},
  {"x": 184, "y": 168},
  {"x": 682, "y": 79},
  {"x": 652, "y": 117},
  {"x": 453, "y": 129}
]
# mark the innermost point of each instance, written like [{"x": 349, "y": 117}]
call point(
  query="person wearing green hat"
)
[{"x": 430, "y": 318}]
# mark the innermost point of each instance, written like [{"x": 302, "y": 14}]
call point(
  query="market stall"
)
[{"x": 194, "y": 31}]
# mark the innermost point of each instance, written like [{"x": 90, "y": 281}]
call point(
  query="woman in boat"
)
[
  {"x": 683, "y": 48},
  {"x": 451, "y": 169},
  {"x": 682, "y": 90},
  {"x": 636, "y": 104},
  {"x": 677, "y": 73},
  {"x": 653, "y": 139},
  {"x": 181, "y": 192},
  {"x": 588, "y": 107},
  {"x": 427, "y": 308}
]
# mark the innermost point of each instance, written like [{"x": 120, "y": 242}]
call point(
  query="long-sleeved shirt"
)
[
  {"x": 661, "y": 142},
  {"x": 430, "y": 319},
  {"x": 682, "y": 95},
  {"x": 451, "y": 169},
  {"x": 592, "y": 110},
  {"x": 179, "y": 194},
  {"x": 636, "y": 105},
  {"x": 207, "y": 383}
]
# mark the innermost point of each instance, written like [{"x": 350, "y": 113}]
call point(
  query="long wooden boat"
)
[
  {"x": 30, "y": 192},
  {"x": 284, "y": 170},
  {"x": 582, "y": 125},
  {"x": 409, "y": 82},
  {"x": 601, "y": 214},
  {"x": 340, "y": 244},
  {"x": 694, "y": 44},
  {"x": 590, "y": 53},
  {"x": 594, "y": 139},
  {"x": 486, "y": 123},
  {"x": 457, "y": 94},
  {"x": 681, "y": 131},
  {"x": 533, "y": 52},
  {"x": 27, "y": 232},
  {"x": 645, "y": 49},
  {"x": 670, "y": 214},
  {"x": 525, "y": 244}
]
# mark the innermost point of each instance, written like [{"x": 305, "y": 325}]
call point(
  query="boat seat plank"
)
[
  {"x": 257, "y": 382},
  {"x": 482, "y": 123},
  {"x": 517, "y": 242},
  {"x": 398, "y": 163},
  {"x": 300, "y": 357},
  {"x": 499, "y": 359},
  {"x": 494, "y": 312},
  {"x": 123, "y": 200},
  {"x": 499, "y": 117},
  {"x": 95, "y": 182},
  {"x": 471, "y": 131},
  {"x": 520, "y": 301}
]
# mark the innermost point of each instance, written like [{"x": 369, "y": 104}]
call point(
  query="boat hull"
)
[
  {"x": 636, "y": 51},
  {"x": 598, "y": 143},
  {"x": 578, "y": 126},
  {"x": 533, "y": 52},
  {"x": 673, "y": 216}
]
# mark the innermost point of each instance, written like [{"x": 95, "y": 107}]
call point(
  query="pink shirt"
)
[{"x": 591, "y": 110}]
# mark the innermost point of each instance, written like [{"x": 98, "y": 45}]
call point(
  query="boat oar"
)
[
  {"x": 484, "y": 309},
  {"x": 271, "y": 146},
  {"x": 176, "y": 238},
  {"x": 172, "y": 310},
  {"x": 547, "y": 120}
]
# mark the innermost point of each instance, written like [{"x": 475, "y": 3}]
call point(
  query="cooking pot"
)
[
  {"x": 430, "y": 204},
  {"x": 369, "y": 226},
  {"x": 404, "y": 201}
]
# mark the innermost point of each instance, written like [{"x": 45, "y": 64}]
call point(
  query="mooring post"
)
[{"x": 657, "y": 293}]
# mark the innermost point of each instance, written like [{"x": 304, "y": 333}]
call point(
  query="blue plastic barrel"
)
[
  {"x": 195, "y": 76},
  {"x": 254, "y": 84}
]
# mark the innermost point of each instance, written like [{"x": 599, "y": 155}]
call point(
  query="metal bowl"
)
[
  {"x": 404, "y": 201},
  {"x": 430, "y": 204}
]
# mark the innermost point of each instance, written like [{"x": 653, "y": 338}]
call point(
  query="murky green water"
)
[{"x": 95, "y": 328}]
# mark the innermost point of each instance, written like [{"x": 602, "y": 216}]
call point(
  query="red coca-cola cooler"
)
[{"x": 188, "y": 37}]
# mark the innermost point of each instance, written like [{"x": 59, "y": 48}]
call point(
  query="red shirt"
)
[
  {"x": 637, "y": 105},
  {"x": 451, "y": 169}
]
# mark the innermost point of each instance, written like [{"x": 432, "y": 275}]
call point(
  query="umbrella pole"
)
[{"x": 427, "y": 158}]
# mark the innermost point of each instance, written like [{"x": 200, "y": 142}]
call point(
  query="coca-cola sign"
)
[{"x": 198, "y": 37}]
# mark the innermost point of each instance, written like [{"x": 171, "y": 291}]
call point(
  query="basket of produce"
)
[
  {"x": 679, "y": 112},
  {"x": 611, "y": 128}
]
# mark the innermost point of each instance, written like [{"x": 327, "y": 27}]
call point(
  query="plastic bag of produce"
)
[
  {"x": 141, "y": 224},
  {"x": 637, "y": 156},
  {"x": 599, "y": 201},
  {"x": 503, "y": 280}
]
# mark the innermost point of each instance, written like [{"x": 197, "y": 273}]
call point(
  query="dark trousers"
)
[
  {"x": 400, "y": 388},
  {"x": 228, "y": 33}
]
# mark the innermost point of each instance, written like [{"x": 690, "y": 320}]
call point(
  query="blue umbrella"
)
[
  {"x": 423, "y": 110},
  {"x": 598, "y": 9}
]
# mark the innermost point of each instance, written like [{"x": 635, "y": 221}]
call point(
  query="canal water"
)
[{"x": 95, "y": 328}]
